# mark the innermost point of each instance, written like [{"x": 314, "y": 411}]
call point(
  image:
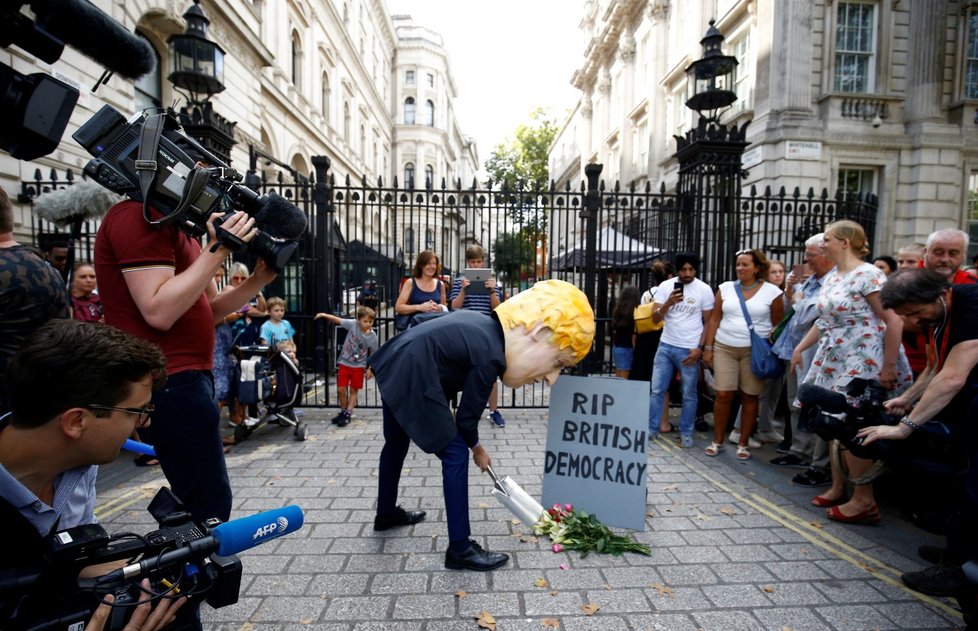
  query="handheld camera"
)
[{"x": 185, "y": 192}]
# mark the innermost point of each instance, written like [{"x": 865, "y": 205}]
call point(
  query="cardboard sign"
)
[{"x": 596, "y": 448}]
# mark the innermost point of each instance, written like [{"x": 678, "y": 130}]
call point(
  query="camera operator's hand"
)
[
  {"x": 144, "y": 617},
  {"x": 897, "y": 406},
  {"x": 263, "y": 272},
  {"x": 238, "y": 224},
  {"x": 883, "y": 432}
]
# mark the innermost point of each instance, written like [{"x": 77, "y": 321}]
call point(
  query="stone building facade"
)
[
  {"x": 864, "y": 95},
  {"x": 302, "y": 78}
]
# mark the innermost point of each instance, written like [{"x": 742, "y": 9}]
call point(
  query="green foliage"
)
[
  {"x": 522, "y": 162},
  {"x": 576, "y": 530},
  {"x": 513, "y": 254}
]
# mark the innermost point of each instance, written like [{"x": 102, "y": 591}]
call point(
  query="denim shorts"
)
[{"x": 622, "y": 357}]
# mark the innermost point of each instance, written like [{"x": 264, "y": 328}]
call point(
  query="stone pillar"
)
[{"x": 924, "y": 76}]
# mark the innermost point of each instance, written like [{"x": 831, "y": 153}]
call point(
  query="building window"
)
[
  {"x": 971, "y": 56},
  {"x": 431, "y": 80},
  {"x": 429, "y": 113},
  {"x": 363, "y": 143},
  {"x": 296, "y": 61},
  {"x": 346, "y": 121},
  {"x": 409, "y": 175},
  {"x": 149, "y": 87},
  {"x": 409, "y": 77},
  {"x": 429, "y": 239},
  {"x": 855, "y": 47},
  {"x": 742, "y": 84},
  {"x": 857, "y": 180},
  {"x": 409, "y": 113},
  {"x": 325, "y": 97},
  {"x": 409, "y": 240},
  {"x": 429, "y": 176},
  {"x": 971, "y": 219}
]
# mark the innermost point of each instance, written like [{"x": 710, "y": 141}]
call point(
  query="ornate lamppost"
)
[
  {"x": 198, "y": 73},
  {"x": 709, "y": 156}
]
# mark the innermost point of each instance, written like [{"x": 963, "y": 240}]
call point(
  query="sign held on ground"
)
[{"x": 596, "y": 459}]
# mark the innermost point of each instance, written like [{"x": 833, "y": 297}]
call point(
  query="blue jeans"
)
[
  {"x": 669, "y": 359},
  {"x": 186, "y": 433},
  {"x": 454, "y": 471}
]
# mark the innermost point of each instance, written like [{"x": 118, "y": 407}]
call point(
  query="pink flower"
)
[
  {"x": 562, "y": 566},
  {"x": 568, "y": 507},
  {"x": 556, "y": 507},
  {"x": 557, "y": 547}
]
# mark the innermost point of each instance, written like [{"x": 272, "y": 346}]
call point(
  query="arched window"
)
[
  {"x": 296, "y": 61},
  {"x": 409, "y": 113},
  {"x": 149, "y": 87},
  {"x": 325, "y": 103},
  {"x": 409, "y": 175},
  {"x": 346, "y": 121},
  {"x": 429, "y": 113},
  {"x": 429, "y": 176},
  {"x": 409, "y": 240},
  {"x": 363, "y": 143},
  {"x": 429, "y": 239}
]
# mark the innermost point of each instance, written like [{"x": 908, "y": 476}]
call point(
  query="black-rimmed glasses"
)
[{"x": 142, "y": 414}]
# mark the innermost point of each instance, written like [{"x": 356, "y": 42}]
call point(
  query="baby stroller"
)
[{"x": 272, "y": 380}]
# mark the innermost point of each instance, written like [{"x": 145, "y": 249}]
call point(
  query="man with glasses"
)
[
  {"x": 77, "y": 391},
  {"x": 807, "y": 450}
]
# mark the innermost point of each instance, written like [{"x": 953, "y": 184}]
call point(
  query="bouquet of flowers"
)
[{"x": 576, "y": 530}]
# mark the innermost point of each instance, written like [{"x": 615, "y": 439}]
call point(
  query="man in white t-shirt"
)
[{"x": 685, "y": 305}]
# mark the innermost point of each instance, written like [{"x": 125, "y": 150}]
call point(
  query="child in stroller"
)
[{"x": 272, "y": 379}]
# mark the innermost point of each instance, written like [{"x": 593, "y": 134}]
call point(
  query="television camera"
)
[
  {"x": 35, "y": 108},
  {"x": 147, "y": 159},
  {"x": 181, "y": 558}
]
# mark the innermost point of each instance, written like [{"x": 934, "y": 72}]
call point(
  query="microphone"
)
[
  {"x": 829, "y": 401},
  {"x": 82, "y": 201},
  {"x": 83, "y": 26},
  {"x": 281, "y": 218},
  {"x": 226, "y": 539}
]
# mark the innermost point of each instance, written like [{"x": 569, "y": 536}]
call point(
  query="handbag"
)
[
  {"x": 778, "y": 330},
  {"x": 763, "y": 362},
  {"x": 643, "y": 318},
  {"x": 402, "y": 321}
]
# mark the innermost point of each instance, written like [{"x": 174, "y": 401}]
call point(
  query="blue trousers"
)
[
  {"x": 186, "y": 433},
  {"x": 454, "y": 473},
  {"x": 669, "y": 359}
]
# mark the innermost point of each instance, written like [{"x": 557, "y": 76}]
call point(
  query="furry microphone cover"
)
[{"x": 84, "y": 200}]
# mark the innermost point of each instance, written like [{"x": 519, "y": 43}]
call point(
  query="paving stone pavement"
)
[{"x": 728, "y": 553}]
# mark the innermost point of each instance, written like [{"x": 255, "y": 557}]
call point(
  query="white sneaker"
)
[
  {"x": 251, "y": 421},
  {"x": 751, "y": 442},
  {"x": 770, "y": 437}
]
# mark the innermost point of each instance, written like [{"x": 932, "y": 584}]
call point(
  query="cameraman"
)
[
  {"x": 158, "y": 284},
  {"x": 948, "y": 387},
  {"x": 77, "y": 391}
]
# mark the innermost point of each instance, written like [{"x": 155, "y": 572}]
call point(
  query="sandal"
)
[
  {"x": 713, "y": 449},
  {"x": 824, "y": 502},
  {"x": 743, "y": 453}
]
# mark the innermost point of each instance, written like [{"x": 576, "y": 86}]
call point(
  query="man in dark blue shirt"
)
[{"x": 527, "y": 339}]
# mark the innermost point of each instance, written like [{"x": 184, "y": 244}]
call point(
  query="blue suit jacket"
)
[{"x": 421, "y": 370}]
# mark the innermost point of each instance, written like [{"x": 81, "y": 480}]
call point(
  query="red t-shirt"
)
[
  {"x": 126, "y": 242},
  {"x": 915, "y": 344}
]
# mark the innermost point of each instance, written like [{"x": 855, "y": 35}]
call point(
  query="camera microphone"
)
[
  {"x": 281, "y": 218},
  {"x": 84, "y": 26},
  {"x": 226, "y": 539},
  {"x": 82, "y": 201},
  {"x": 829, "y": 401}
]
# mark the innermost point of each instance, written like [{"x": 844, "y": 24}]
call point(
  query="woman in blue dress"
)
[{"x": 423, "y": 292}]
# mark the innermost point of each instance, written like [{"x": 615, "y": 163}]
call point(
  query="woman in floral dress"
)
[{"x": 856, "y": 338}]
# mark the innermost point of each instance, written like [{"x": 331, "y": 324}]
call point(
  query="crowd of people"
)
[
  {"x": 175, "y": 309},
  {"x": 833, "y": 319}
]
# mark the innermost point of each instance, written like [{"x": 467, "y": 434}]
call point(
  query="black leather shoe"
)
[
  {"x": 940, "y": 580},
  {"x": 399, "y": 517},
  {"x": 475, "y": 558}
]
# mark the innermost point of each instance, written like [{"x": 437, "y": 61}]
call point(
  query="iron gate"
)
[{"x": 599, "y": 238}]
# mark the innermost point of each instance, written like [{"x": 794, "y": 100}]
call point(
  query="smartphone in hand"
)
[{"x": 678, "y": 286}]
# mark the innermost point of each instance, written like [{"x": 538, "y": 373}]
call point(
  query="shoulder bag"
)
[
  {"x": 763, "y": 362},
  {"x": 643, "y": 317}
]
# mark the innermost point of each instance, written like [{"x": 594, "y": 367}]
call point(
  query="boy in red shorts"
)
[{"x": 361, "y": 341}]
